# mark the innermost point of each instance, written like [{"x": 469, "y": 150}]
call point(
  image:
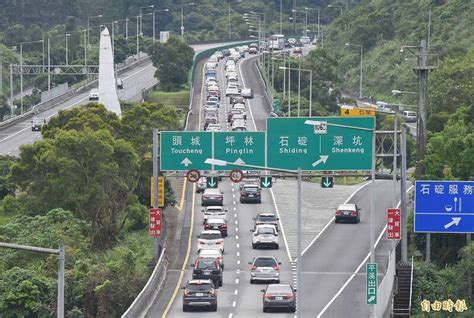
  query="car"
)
[
  {"x": 298, "y": 50},
  {"x": 237, "y": 117},
  {"x": 213, "y": 212},
  {"x": 119, "y": 83},
  {"x": 347, "y": 212},
  {"x": 253, "y": 50},
  {"x": 215, "y": 93},
  {"x": 201, "y": 185},
  {"x": 208, "y": 268},
  {"x": 217, "y": 254},
  {"x": 265, "y": 235},
  {"x": 231, "y": 90},
  {"x": 199, "y": 293},
  {"x": 305, "y": 39},
  {"x": 211, "y": 104},
  {"x": 410, "y": 116},
  {"x": 237, "y": 99},
  {"x": 219, "y": 224},
  {"x": 292, "y": 41},
  {"x": 225, "y": 52},
  {"x": 37, "y": 123},
  {"x": 232, "y": 81},
  {"x": 250, "y": 193},
  {"x": 239, "y": 128},
  {"x": 210, "y": 66},
  {"x": 94, "y": 94},
  {"x": 212, "y": 197},
  {"x": 266, "y": 218},
  {"x": 247, "y": 93},
  {"x": 213, "y": 127},
  {"x": 264, "y": 268},
  {"x": 279, "y": 296},
  {"x": 234, "y": 112},
  {"x": 238, "y": 125},
  {"x": 253, "y": 44},
  {"x": 214, "y": 99},
  {"x": 229, "y": 63},
  {"x": 210, "y": 239},
  {"x": 240, "y": 107}
]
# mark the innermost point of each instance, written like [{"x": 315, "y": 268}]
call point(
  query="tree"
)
[
  {"x": 6, "y": 187},
  {"x": 4, "y": 109},
  {"x": 173, "y": 61},
  {"x": 88, "y": 172}
]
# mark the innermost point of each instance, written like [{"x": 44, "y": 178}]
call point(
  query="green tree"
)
[
  {"x": 87, "y": 172},
  {"x": 6, "y": 187},
  {"x": 172, "y": 60},
  {"x": 4, "y": 109}
]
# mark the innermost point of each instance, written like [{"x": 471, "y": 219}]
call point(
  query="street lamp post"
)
[
  {"x": 182, "y": 17},
  {"x": 299, "y": 69},
  {"x": 141, "y": 17},
  {"x": 319, "y": 11},
  {"x": 126, "y": 28},
  {"x": 21, "y": 71},
  {"x": 67, "y": 56},
  {"x": 154, "y": 22},
  {"x": 88, "y": 27},
  {"x": 360, "y": 73}
]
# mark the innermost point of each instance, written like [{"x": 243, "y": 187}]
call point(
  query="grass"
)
[{"x": 177, "y": 99}]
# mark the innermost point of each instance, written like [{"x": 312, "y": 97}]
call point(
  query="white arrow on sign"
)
[
  {"x": 186, "y": 162},
  {"x": 455, "y": 221},
  {"x": 239, "y": 161},
  {"x": 322, "y": 159}
]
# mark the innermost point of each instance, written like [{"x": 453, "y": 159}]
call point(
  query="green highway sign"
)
[
  {"x": 266, "y": 182},
  {"x": 371, "y": 283},
  {"x": 212, "y": 182},
  {"x": 240, "y": 147},
  {"x": 327, "y": 182},
  {"x": 185, "y": 150},
  {"x": 320, "y": 143}
]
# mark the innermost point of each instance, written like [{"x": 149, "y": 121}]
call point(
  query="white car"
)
[
  {"x": 247, "y": 93},
  {"x": 210, "y": 240},
  {"x": 94, "y": 94},
  {"x": 216, "y": 254},
  {"x": 232, "y": 81},
  {"x": 214, "y": 211},
  {"x": 231, "y": 90},
  {"x": 213, "y": 127},
  {"x": 230, "y": 73},
  {"x": 265, "y": 235},
  {"x": 305, "y": 39}
]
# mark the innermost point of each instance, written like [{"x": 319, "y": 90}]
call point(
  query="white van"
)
[
  {"x": 410, "y": 116},
  {"x": 94, "y": 94}
]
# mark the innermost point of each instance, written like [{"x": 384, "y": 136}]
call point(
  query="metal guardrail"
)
[
  {"x": 385, "y": 289},
  {"x": 411, "y": 286},
  {"x": 144, "y": 300}
]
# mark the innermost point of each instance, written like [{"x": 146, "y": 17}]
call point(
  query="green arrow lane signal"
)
[
  {"x": 266, "y": 182},
  {"x": 327, "y": 182},
  {"x": 212, "y": 182}
]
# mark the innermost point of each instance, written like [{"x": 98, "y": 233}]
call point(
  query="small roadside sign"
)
[
  {"x": 393, "y": 224},
  {"x": 371, "y": 283},
  {"x": 212, "y": 182},
  {"x": 266, "y": 182},
  {"x": 193, "y": 176},
  {"x": 155, "y": 222},
  {"x": 161, "y": 191},
  {"x": 355, "y": 111},
  {"x": 327, "y": 182},
  {"x": 236, "y": 176}
]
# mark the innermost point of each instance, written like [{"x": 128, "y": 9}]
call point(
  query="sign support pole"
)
[
  {"x": 372, "y": 213},
  {"x": 299, "y": 256},
  {"x": 156, "y": 173},
  {"x": 403, "y": 195},
  {"x": 469, "y": 275}
]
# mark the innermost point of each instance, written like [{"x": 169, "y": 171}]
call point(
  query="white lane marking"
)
[
  {"x": 238, "y": 262},
  {"x": 234, "y": 303},
  {"x": 235, "y": 215},
  {"x": 236, "y": 292},
  {"x": 247, "y": 101},
  {"x": 358, "y": 268},
  {"x": 233, "y": 189},
  {"x": 236, "y": 237},
  {"x": 281, "y": 226},
  {"x": 235, "y": 209},
  {"x": 236, "y": 222},
  {"x": 236, "y": 280},
  {"x": 332, "y": 219},
  {"x": 233, "y": 195},
  {"x": 231, "y": 314},
  {"x": 236, "y": 229},
  {"x": 238, "y": 245},
  {"x": 238, "y": 254},
  {"x": 233, "y": 202}
]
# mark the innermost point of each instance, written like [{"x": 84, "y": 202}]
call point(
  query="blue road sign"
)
[{"x": 444, "y": 206}]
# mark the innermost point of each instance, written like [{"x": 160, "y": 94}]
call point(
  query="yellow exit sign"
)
[{"x": 354, "y": 111}]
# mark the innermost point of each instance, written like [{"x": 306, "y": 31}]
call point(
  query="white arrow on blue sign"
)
[{"x": 444, "y": 206}]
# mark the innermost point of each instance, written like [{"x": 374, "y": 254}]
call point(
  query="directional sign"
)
[
  {"x": 355, "y": 111},
  {"x": 371, "y": 283},
  {"x": 240, "y": 147},
  {"x": 212, "y": 182},
  {"x": 185, "y": 150},
  {"x": 193, "y": 176},
  {"x": 154, "y": 228},
  {"x": 320, "y": 143},
  {"x": 266, "y": 182},
  {"x": 327, "y": 182},
  {"x": 236, "y": 175},
  {"x": 444, "y": 206}
]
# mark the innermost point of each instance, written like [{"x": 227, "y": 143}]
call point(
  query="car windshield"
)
[
  {"x": 265, "y": 230},
  {"x": 264, "y": 262},
  {"x": 206, "y": 263},
  {"x": 198, "y": 287},
  {"x": 279, "y": 289},
  {"x": 211, "y": 236},
  {"x": 266, "y": 218}
]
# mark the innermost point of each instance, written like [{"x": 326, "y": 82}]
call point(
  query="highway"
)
[{"x": 134, "y": 81}]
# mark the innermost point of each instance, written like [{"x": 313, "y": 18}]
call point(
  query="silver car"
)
[
  {"x": 214, "y": 212},
  {"x": 265, "y": 268}
]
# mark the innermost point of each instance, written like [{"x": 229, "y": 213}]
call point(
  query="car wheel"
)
[
  {"x": 358, "y": 220},
  {"x": 277, "y": 246},
  {"x": 185, "y": 308},
  {"x": 265, "y": 309},
  {"x": 293, "y": 309},
  {"x": 254, "y": 246},
  {"x": 220, "y": 283},
  {"x": 214, "y": 307},
  {"x": 277, "y": 281},
  {"x": 252, "y": 281},
  {"x": 336, "y": 221}
]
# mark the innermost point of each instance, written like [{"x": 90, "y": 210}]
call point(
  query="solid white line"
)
[
  {"x": 247, "y": 101},
  {"x": 282, "y": 230},
  {"x": 332, "y": 219},
  {"x": 358, "y": 268}
]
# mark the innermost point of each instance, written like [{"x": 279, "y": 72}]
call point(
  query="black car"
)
[
  {"x": 208, "y": 268},
  {"x": 279, "y": 296},
  {"x": 212, "y": 197},
  {"x": 251, "y": 193},
  {"x": 266, "y": 218},
  {"x": 199, "y": 293}
]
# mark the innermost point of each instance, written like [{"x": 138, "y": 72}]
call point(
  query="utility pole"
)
[
  {"x": 422, "y": 71},
  {"x": 156, "y": 174},
  {"x": 403, "y": 195}
]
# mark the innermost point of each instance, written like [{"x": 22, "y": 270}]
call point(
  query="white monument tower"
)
[{"x": 107, "y": 88}]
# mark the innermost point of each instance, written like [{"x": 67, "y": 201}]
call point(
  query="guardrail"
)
[
  {"x": 36, "y": 109},
  {"x": 144, "y": 300},
  {"x": 385, "y": 289}
]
